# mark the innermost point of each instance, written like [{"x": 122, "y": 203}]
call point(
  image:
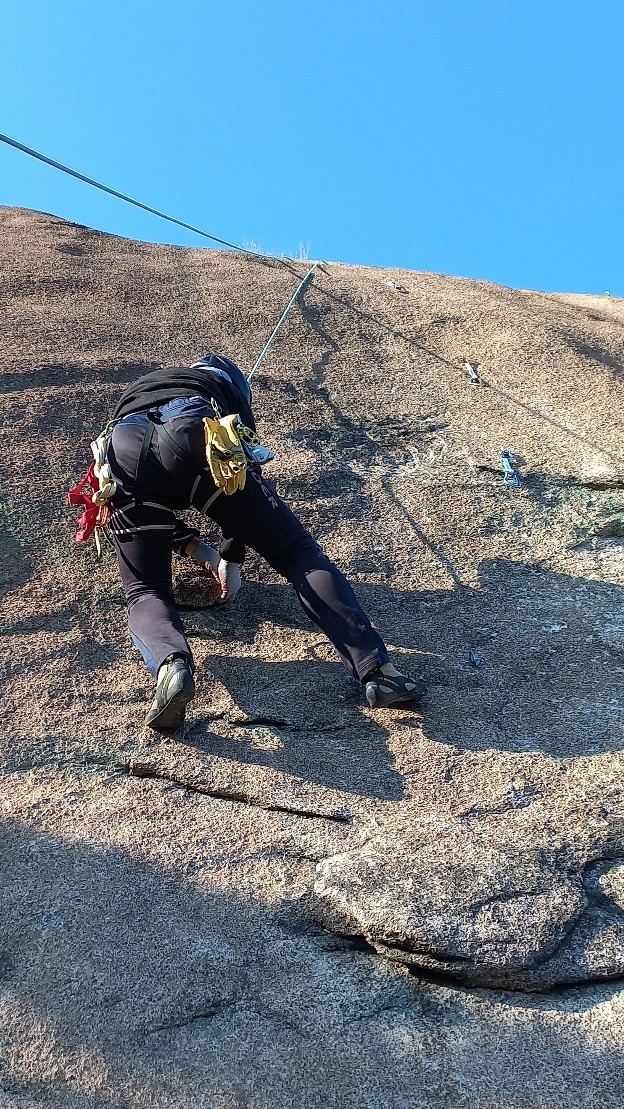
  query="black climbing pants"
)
[{"x": 174, "y": 475}]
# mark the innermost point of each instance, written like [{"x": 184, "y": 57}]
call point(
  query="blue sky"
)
[{"x": 482, "y": 138}]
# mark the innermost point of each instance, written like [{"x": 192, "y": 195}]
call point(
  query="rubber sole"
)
[
  {"x": 168, "y": 716},
  {"x": 379, "y": 698}
]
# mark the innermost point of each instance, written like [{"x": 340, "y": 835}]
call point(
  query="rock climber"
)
[{"x": 186, "y": 437}]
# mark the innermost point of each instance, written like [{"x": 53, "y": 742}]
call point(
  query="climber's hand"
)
[{"x": 229, "y": 577}]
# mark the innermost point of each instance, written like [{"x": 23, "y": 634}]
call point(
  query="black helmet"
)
[{"x": 226, "y": 369}]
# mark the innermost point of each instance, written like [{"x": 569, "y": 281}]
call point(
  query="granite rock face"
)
[
  {"x": 291, "y": 900},
  {"x": 490, "y": 902}
]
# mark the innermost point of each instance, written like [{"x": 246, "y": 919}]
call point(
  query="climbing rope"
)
[
  {"x": 128, "y": 199},
  {"x": 171, "y": 219},
  {"x": 267, "y": 346}
]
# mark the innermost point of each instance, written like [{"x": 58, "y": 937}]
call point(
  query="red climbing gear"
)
[
  {"x": 95, "y": 515},
  {"x": 99, "y": 481}
]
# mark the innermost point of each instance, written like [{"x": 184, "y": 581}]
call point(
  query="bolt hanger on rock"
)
[{"x": 472, "y": 369}]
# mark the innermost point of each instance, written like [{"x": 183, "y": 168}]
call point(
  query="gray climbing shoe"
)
[
  {"x": 387, "y": 686},
  {"x": 174, "y": 689}
]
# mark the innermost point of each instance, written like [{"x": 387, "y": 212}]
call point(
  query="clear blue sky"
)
[{"x": 482, "y": 138}]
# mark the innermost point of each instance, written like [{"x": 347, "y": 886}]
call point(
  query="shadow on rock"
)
[
  {"x": 62, "y": 375},
  {"x": 303, "y": 720},
  {"x": 546, "y": 667},
  {"x": 15, "y": 566},
  {"x": 398, "y": 614},
  {"x": 139, "y": 981},
  {"x": 530, "y": 661}
]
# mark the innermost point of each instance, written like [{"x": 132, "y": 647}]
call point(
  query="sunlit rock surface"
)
[{"x": 291, "y": 901}]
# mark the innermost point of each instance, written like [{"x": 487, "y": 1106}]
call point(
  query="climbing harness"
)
[
  {"x": 94, "y": 492},
  {"x": 511, "y": 477},
  {"x": 230, "y": 447}
]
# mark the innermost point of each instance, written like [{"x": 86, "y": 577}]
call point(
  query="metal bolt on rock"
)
[{"x": 472, "y": 369}]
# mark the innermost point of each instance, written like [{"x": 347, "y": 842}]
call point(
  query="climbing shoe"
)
[
  {"x": 174, "y": 689},
  {"x": 387, "y": 686}
]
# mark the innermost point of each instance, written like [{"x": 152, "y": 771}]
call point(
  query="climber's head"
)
[{"x": 226, "y": 369}]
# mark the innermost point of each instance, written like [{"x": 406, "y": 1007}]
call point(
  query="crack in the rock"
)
[
  {"x": 599, "y": 484},
  {"x": 565, "y": 987},
  {"x": 251, "y": 720},
  {"x": 440, "y": 977},
  {"x": 447, "y": 978},
  {"x": 392, "y": 945},
  {"x": 502, "y": 805},
  {"x": 203, "y": 1014},
  {"x": 143, "y": 770},
  {"x": 247, "y": 721},
  {"x": 372, "y": 1013},
  {"x": 317, "y": 729},
  {"x": 266, "y": 1013},
  {"x": 279, "y": 722}
]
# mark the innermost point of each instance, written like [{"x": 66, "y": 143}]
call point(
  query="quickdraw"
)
[
  {"x": 252, "y": 446},
  {"x": 511, "y": 477},
  {"x": 94, "y": 492}
]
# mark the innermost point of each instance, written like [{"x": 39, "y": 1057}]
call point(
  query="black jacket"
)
[{"x": 156, "y": 388}]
